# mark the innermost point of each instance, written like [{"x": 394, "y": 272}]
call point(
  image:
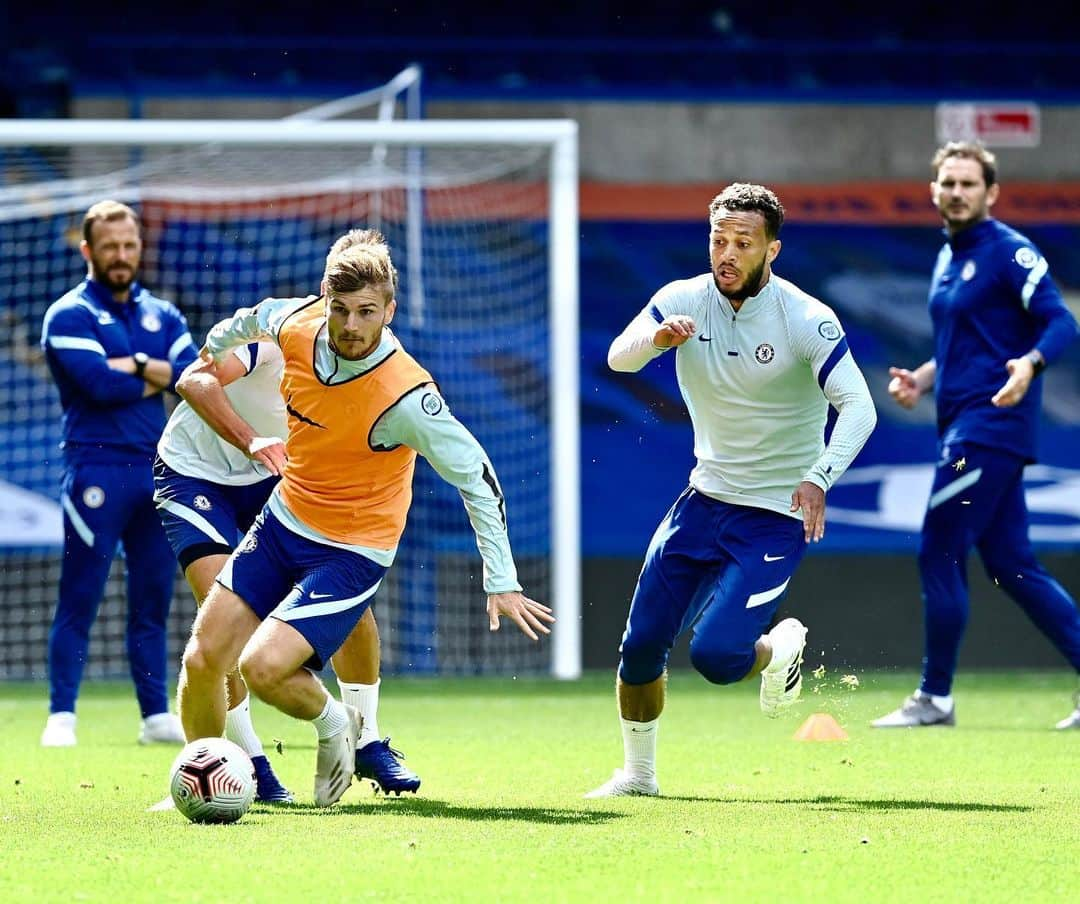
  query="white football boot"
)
[
  {"x": 917, "y": 711},
  {"x": 781, "y": 680},
  {"x": 334, "y": 764},
  {"x": 622, "y": 784},
  {"x": 59, "y": 730},
  {"x": 162, "y": 728}
]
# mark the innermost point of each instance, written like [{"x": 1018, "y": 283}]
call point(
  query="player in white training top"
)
[
  {"x": 758, "y": 363},
  {"x": 207, "y": 494}
]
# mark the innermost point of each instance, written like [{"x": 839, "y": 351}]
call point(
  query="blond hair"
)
[
  {"x": 360, "y": 264},
  {"x": 106, "y": 211}
]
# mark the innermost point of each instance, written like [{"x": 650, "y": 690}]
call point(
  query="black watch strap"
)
[
  {"x": 1038, "y": 362},
  {"x": 141, "y": 359}
]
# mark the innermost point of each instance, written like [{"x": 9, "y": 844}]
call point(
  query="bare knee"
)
[
  {"x": 259, "y": 672},
  {"x": 202, "y": 660}
]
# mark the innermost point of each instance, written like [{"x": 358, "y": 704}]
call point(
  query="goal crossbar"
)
[{"x": 240, "y": 132}]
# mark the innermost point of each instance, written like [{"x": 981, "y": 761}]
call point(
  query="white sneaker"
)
[
  {"x": 917, "y": 711},
  {"x": 334, "y": 764},
  {"x": 162, "y": 728},
  {"x": 1070, "y": 721},
  {"x": 781, "y": 681},
  {"x": 59, "y": 730},
  {"x": 622, "y": 784}
]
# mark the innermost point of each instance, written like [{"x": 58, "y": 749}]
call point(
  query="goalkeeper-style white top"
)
[
  {"x": 191, "y": 447},
  {"x": 758, "y": 384}
]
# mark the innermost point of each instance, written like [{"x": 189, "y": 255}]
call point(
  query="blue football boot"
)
[
  {"x": 380, "y": 763},
  {"x": 268, "y": 789}
]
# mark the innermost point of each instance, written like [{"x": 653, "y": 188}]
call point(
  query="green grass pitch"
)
[{"x": 988, "y": 811}]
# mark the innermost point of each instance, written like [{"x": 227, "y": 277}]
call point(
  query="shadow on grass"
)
[
  {"x": 856, "y": 804},
  {"x": 438, "y": 809}
]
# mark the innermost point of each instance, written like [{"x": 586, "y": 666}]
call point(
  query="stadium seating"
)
[{"x": 541, "y": 51}]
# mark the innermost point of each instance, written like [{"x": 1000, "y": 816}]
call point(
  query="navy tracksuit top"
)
[
  {"x": 992, "y": 299},
  {"x": 106, "y": 417}
]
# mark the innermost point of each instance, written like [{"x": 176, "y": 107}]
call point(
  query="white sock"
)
[
  {"x": 332, "y": 720},
  {"x": 240, "y": 731},
  {"x": 365, "y": 698},
  {"x": 639, "y": 747},
  {"x": 942, "y": 703}
]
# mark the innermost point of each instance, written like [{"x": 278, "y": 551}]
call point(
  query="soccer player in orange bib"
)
[{"x": 360, "y": 408}]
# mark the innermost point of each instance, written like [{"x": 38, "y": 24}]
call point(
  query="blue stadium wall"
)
[{"x": 866, "y": 251}]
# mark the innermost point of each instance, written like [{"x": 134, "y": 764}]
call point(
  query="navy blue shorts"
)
[
  {"x": 717, "y": 569},
  {"x": 203, "y": 518},
  {"x": 320, "y": 590}
]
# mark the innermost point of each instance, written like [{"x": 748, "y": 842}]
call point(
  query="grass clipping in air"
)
[{"x": 823, "y": 725}]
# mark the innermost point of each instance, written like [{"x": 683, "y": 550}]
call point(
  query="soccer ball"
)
[{"x": 212, "y": 780}]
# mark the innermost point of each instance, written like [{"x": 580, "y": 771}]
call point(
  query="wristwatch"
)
[
  {"x": 1038, "y": 362},
  {"x": 141, "y": 359}
]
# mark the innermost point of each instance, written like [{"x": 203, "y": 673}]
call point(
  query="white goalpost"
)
[{"x": 484, "y": 217}]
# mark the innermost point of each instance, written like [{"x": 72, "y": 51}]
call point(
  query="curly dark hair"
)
[{"x": 752, "y": 198}]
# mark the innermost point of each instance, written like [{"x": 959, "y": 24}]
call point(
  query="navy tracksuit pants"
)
[
  {"x": 978, "y": 501},
  {"x": 106, "y": 506}
]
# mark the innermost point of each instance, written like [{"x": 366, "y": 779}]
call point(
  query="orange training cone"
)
[{"x": 821, "y": 727}]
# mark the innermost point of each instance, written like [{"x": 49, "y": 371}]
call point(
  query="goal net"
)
[{"x": 482, "y": 221}]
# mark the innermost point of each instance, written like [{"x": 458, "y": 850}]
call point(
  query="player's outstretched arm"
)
[
  {"x": 202, "y": 386},
  {"x": 530, "y": 616},
  {"x": 422, "y": 421}
]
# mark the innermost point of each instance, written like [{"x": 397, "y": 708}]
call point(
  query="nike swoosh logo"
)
[
  {"x": 641, "y": 730},
  {"x": 769, "y": 558},
  {"x": 300, "y": 417},
  {"x": 705, "y": 338},
  {"x": 319, "y": 596}
]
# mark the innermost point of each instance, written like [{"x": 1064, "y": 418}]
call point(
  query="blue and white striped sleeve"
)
[
  {"x": 1029, "y": 274},
  {"x": 248, "y": 355},
  {"x": 72, "y": 347},
  {"x": 825, "y": 346}
]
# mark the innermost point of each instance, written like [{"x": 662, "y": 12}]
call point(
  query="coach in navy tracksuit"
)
[
  {"x": 112, "y": 348},
  {"x": 999, "y": 320}
]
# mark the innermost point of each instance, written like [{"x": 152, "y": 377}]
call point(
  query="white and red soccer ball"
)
[{"x": 212, "y": 780}]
